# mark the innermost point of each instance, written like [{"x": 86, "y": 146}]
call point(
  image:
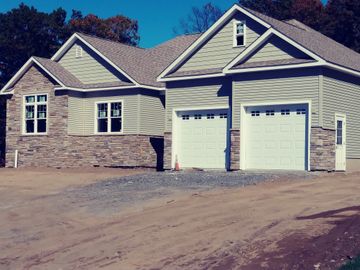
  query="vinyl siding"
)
[
  {"x": 276, "y": 49},
  {"x": 152, "y": 115},
  {"x": 260, "y": 88},
  {"x": 218, "y": 50},
  {"x": 82, "y": 113},
  {"x": 211, "y": 93},
  {"x": 89, "y": 68},
  {"x": 342, "y": 96}
]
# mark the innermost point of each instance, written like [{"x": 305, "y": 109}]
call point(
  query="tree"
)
[
  {"x": 309, "y": 12},
  {"x": 343, "y": 22},
  {"x": 25, "y": 32},
  {"x": 117, "y": 28},
  {"x": 199, "y": 20}
]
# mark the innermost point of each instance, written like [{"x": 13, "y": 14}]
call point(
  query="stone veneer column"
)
[
  {"x": 2, "y": 129},
  {"x": 167, "y": 150},
  {"x": 322, "y": 149},
  {"x": 235, "y": 149}
]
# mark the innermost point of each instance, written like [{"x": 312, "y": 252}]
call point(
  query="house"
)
[
  {"x": 251, "y": 92},
  {"x": 94, "y": 103}
]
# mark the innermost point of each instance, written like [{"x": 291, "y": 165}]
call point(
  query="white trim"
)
[
  {"x": 22, "y": 71},
  {"x": 71, "y": 41},
  {"x": 343, "y": 69},
  {"x": 23, "y": 120},
  {"x": 235, "y": 34},
  {"x": 174, "y": 139},
  {"x": 255, "y": 45},
  {"x": 108, "y": 102},
  {"x": 246, "y": 70},
  {"x": 108, "y": 88},
  {"x": 260, "y": 41},
  {"x": 265, "y": 103},
  {"x": 192, "y": 77},
  {"x": 344, "y": 137},
  {"x": 235, "y": 8}
]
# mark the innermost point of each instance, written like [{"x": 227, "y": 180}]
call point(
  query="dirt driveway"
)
[{"x": 45, "y": 223}]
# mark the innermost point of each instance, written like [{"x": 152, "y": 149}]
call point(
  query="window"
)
[
  {"x": 197, "y": 116},
  {"x": 339, "y": 132},
  {"x": 270, "y": 113},
  {"x": 78, "y": 51},
  {"x": 210, "y": 116},
  {"x": 223, "y": 115},
  {"x": 185, "y": 117},
  {"x": 300, "y": 111},
  {"x": 109, "y": 117},
  {"x": 35, "y": 120},
  {"x": 285, "y": 112},
  {"x": 239, "y": 33},
  {"x": 255, "y": 113}
]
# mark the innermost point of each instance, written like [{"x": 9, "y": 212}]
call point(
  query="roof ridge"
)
[{"x": 109, "y": 40}]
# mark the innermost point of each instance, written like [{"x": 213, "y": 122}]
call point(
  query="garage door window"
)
[
  {"x": 255, "y": 113},
  {"x": 270, "y": 113},
  {"x": 185, "y": 117},
  {"x": 197, "y": 116},
  {"x": 223, "y": 115},
  {"x": 285, "y": 112},
  {"x": 300, "y": 111},
  {"x": 210, "y": 116}
]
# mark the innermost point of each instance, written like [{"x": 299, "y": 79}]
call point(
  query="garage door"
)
[
  {"x": 202, "y": 139},
  {"x": 276, "y": 137}
]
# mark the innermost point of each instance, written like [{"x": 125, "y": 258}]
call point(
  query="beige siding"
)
[
  {"x": 275, "y": 49},
  {"x": 89, "y": 68},
  {"x": 82, "y": 113},
  {"x": 152, "y": 115},
  {"x": 211, "y": 95},
  {"x": 75, "y": 115},
  {"x": 276, "y": 89},
  {"x": 343, "y": 97},
  {"x": 219, "y": 50}
]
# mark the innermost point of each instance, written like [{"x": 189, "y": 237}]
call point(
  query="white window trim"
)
[
  {"x": 235, "y": 23},
  {"x": 35, "y": 133},
  {"x": 109, "y": 113}
]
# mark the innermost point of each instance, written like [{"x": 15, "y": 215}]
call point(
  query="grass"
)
[{"x": 352, "y": 265}]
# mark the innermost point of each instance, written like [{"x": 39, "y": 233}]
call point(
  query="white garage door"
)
[
  {"x": 276, "y": 137},
  {"x": 202, "y": 139}
]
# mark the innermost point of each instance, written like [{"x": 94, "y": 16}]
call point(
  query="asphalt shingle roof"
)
[{"x": 321, "y": 45}]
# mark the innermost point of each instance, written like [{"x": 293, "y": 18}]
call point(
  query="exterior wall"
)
[
  {"x": 341, "y": 94},
  {"x": 194, "y": 94},
  {"x": 167, "y": 150},
  {"x": 219, "y": 50},
  {"x": 2, "y": 129},
  {"x": 57, "y": 148},
  {"x": 276, "y": 86},
  {"x": 235, "y": 149},
  {"x": 152, "y": 115},
  {"x": 143, "y": 111},
  {"x": 322, "y": 149},
  {"x": 276, "y": 49},
  {"x": 89, "y": 68}
]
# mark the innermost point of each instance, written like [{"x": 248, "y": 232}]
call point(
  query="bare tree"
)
[{"x": 199, "y": 20}]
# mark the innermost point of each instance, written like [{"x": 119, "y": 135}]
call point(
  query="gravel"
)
[{"x": 112, "y": 195}]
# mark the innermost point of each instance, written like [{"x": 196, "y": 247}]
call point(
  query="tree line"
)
[{"x": 25, "y": 32}]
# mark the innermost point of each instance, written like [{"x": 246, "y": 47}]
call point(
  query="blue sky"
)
[{"x": 157, "y": 18}]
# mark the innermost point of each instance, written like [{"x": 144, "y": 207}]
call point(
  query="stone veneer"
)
[
  {"x": 322, "y": 149},
  {"x": 235, "y": 149},
  {"x": 2, "y": 129},
  {"x": 57, "y": 148},
  {"x": 167, "y": 150}
]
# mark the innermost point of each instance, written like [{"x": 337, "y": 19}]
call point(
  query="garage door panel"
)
[
  {"x": 276, "y": 137},
  {"x": 202, "y": 139}
]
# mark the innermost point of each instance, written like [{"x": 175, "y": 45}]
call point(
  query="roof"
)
[
  {"x": 143, "y": 65},
  {"x": 272, "y": 63},
  {"x": 323, "y": 46}
]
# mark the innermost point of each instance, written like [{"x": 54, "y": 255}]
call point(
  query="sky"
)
[{"x": 156, "y": 18}]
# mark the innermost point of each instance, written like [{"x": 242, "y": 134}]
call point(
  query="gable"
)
[
  {"x": 89, "y": 68},
  {"x": 275, "y": 49},
  {"x": 218, "y": 51}
]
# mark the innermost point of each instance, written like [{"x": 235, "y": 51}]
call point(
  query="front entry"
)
[{"x": 340, "y": 125}]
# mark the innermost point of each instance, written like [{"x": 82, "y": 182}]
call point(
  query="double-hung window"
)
[
  {"x": 109, "y": 117},
  {"x": 239, "y": 33},
  {"x": 36, "y": 114}
]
